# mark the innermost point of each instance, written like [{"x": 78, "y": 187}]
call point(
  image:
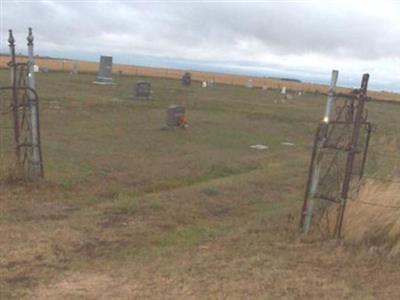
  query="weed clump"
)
[{"x": 373, "y": 219}]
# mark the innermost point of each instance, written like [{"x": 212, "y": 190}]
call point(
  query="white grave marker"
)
[{"x": 249, "y": 83}]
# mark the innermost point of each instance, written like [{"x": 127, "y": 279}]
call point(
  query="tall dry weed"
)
[{"x": 373, "y": 218}]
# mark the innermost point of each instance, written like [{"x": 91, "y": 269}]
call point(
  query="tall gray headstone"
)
[{"x": 105, "y": 70}]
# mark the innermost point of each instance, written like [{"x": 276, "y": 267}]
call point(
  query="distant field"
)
[
  {"x": 130, "y": 211},
  {"x": 92, "y": 67}
]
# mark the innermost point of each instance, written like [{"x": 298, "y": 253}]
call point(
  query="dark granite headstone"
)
[
  {"x": 186, "y": 79},
  {"x": 175, "y": 114},
  {"x": 142, "y": 89}
]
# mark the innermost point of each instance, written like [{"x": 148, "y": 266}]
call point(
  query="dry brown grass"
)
[
  {"x": 374, "y": 217},
  {"x": 128, "y": 211}
]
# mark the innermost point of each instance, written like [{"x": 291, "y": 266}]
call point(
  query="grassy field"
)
[{"x": 130, "y": 211}]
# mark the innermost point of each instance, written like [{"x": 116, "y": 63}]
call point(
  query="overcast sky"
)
[{"x": 303, "y": 38}]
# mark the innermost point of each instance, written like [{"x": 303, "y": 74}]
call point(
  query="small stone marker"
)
[
  {"x": 283, "y": 90},
  {"x": 142, "y": 89},
  {"x": 204, "y": 84},
  {"x": 259, "y": 147},
  {"x": 249, "y": 83},
  {"x": 35, "y": 68},
  {"x": 186, "y": 78},
  {"x": 287, "y": 144},
  {"x": 175, "y": 117},
  {"x": 75, "y": 69}
]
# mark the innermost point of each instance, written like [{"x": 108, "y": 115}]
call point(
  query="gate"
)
[
  {"x": 20, "y": 148},
  {"x": 337, "y": 160}
]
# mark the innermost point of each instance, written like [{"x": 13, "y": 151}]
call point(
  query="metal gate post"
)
[
  {"x": 331, "y": 96},
  {"x": 352, "y": 153},
  {"x": 15, "y": 104},
  {"x": 37, "y": 167},
  {"x": 315, "y": 165}
]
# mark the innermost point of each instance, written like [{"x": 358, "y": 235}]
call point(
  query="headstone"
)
[
  {"x": 75, "y": 69},
  {"x": 175, "y": 116},
  {"x": 35, "y": 68},
  {"x": 283, "y": 90},
  {"x": 186, "y": 78},
  {"x": 204, "y": 84},
  {"x": 300, "y": 93},
  {"x": 249, "y": 83},
  {"x": 142, "y": 89},
  {"x": 105, "y": 71}
]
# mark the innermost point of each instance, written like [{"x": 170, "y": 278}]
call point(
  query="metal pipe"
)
[
  {"x": 36, "y": 155},
  {"x": 331, "y": 96},
  {"x": 315, "y": 169},
  {"x": 305, "y": 209}
]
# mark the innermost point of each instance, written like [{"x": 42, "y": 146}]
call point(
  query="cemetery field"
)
[{"x": 130, "y": 211}]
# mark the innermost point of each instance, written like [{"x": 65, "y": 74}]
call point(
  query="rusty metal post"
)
[
  {"x": 352, "y": 153},
  {"x": 37, "y": 167},
  {"x": 15, "y": 104},
  {"x": 364, "y": 158}
]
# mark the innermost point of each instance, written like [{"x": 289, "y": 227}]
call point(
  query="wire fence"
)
[{"x": 7, "y": 149}]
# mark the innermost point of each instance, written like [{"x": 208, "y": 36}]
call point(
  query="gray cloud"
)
[{"x": 293, "y": 34}]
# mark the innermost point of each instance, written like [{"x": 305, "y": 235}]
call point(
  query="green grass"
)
[
  {"x": 190, "y": 236},
  {"x": 125, "y": 204}
]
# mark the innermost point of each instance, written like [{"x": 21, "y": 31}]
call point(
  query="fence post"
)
[
  {"x": 36, "y": 155},
  {"x": 315, "y": 166},
  {"x": 352, "y": 153},
  {"x": 13, "y": 73},
  {"x": 331, "y": 96}
]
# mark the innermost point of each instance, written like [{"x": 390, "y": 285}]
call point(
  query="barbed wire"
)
[
  {"x": 388, "y": 155},
  {"x": 377, "y": 204}
]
